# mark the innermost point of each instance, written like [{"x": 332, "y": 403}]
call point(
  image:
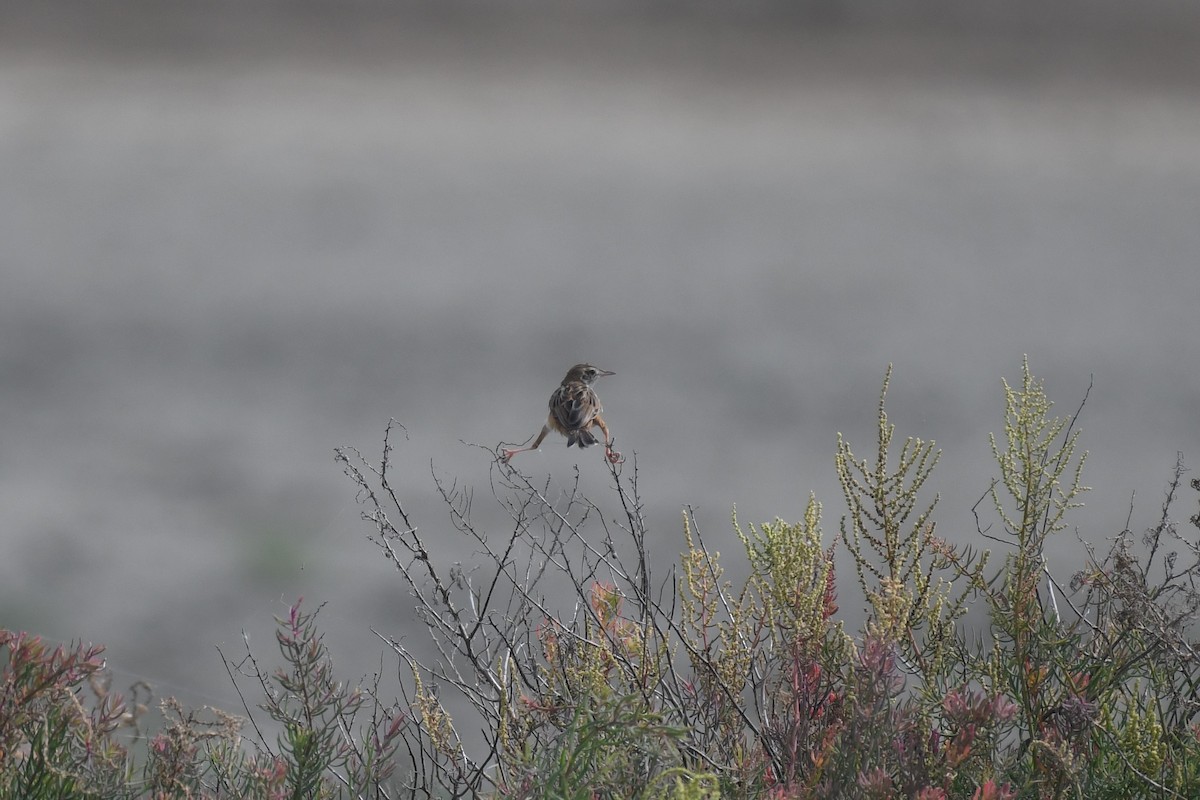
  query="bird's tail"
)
[{"x": 583, "y": 438}]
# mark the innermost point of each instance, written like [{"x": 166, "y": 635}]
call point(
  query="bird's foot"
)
[
  {"x": 614, "y": 457},
  {"x": 506, "y": 455}
]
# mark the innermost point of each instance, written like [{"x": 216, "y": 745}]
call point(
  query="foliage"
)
[
  {"x": 576, "y": 668},
  {"x": 759, "y": 688},
  {"x": 53, "y": 745}
]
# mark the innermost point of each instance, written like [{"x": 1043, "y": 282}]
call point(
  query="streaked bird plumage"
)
[{"x": 574, "y": 411}]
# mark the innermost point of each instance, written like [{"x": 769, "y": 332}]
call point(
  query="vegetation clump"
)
[{"x": 671, "y": 681}]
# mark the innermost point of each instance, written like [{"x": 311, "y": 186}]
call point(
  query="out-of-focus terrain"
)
[{"x": 233, "y": 238}]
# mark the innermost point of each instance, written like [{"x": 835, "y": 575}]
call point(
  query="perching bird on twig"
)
[{"x": 574, "y": 409}]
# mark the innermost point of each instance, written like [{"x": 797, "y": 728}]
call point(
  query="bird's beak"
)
[{"x": 604, "y": 372}]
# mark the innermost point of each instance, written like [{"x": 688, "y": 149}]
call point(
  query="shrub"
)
[
  {"x": 1080, "y": 690},
  {"x": 56, "y": 744},
  {"x": 591, "y": 673},
  {"x": 52, "y": 745}
]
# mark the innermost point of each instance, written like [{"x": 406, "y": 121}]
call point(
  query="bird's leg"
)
[
  {"x": 612, "y": 455},
  {"x": 507, "y": 454}
]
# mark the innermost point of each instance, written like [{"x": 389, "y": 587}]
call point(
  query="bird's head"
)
[{"x": 585, "y": 373}]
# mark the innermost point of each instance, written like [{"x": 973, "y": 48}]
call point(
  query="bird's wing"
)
[{"x": 574, "y": 405}]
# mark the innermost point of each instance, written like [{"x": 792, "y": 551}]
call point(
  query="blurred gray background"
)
[{"x": 234, "y": 236}]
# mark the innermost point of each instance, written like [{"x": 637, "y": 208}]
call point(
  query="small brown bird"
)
[{"x": 574, "y": 409}]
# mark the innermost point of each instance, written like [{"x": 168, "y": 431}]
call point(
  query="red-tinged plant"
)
[
  {"x": 990, "y": 791},
  {"x": 53, "y": 743},
  {"x": 334, "y": 738}
]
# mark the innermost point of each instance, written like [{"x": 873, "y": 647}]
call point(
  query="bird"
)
[{"x": 574, "y": 410}]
